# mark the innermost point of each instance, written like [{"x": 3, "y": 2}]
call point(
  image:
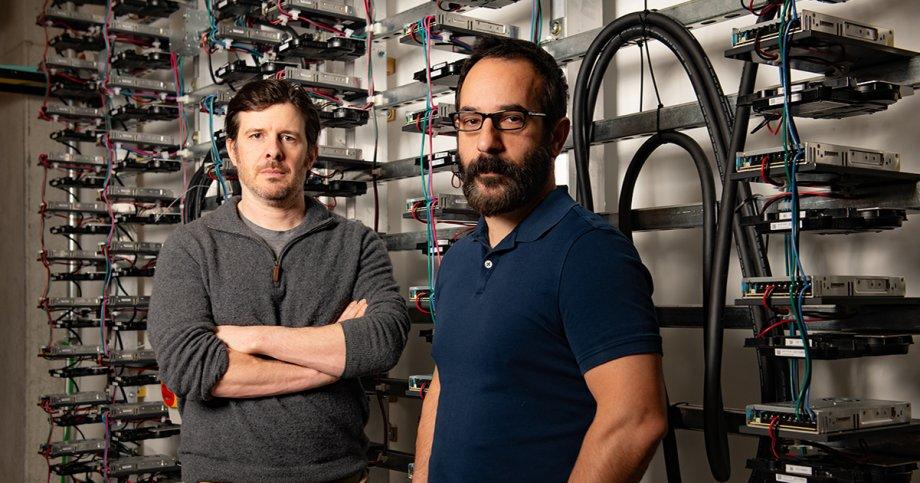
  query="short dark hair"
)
[
  {"x": 555, "y": 90},
  {"x": 262, "y": 94}
]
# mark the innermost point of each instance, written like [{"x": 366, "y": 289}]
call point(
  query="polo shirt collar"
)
[{"x": 545, "y": 216}]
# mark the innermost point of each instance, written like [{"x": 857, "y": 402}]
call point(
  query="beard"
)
[
  {"x": 516, "y": 186},
  {"x": 273, "y": 192}
]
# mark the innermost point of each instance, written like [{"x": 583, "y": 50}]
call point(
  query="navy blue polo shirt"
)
[{"x": 518, "y": 327}]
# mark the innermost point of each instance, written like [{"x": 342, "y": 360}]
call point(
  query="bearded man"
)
[
  {"x": 547, "y": 348},
  {"x": 266, "y": 311}
]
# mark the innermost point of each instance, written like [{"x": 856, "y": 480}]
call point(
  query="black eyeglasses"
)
[{"x": 507, "y": 120}]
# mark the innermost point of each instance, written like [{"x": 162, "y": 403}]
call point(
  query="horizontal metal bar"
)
[
  {"x": 690, "y": 416},
  {"x": 393, "y": 25},
  {"x": 904, "y": 73},
  {"x": 404, "y": 168},
  {"x": 695, "y": 13},
  {"x": 409, "y": 241},
  {"x": 663, "y": 218},
  {"x": 407, "y": 94}
]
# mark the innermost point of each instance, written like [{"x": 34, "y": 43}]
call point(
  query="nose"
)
[
  {"x": 273, "y": 150},
  {"x": 489, "y": 139}
]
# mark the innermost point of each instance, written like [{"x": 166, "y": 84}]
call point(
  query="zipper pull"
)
[{"x": 276, "y": 273}]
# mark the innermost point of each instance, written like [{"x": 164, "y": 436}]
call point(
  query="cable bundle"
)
[{"x": 726, "y": 140}]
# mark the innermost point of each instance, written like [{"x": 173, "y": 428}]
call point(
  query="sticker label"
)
[
  {"x": 790, "y": 478},
  {"x": 789, "y": 352},
  {"x": 799, "y": 470}
]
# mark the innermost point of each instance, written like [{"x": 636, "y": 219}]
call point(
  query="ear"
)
[
  {"x": 231, "y": 151},
  {"x": 310, "y": 158},
  {"x": 560, "y": 134}
]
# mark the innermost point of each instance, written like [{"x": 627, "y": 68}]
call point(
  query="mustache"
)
[
  {"x": 275, "y": 166},
  {"x": 484, "y": 164}
]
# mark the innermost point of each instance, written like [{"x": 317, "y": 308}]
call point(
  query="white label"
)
[
  {"x": 790, "y": 479},
  {"x": 782, "y": 225},
  {"x": 789, "y": 352},
  {"x": 799, "y": 470},
  {"x": 787, "y": 215},
  {"x": 790, "y": 342}
]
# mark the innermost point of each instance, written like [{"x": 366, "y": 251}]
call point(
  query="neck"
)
[
  {"x": 278, "y": 216},
  {"x": 501, "y": 225}
]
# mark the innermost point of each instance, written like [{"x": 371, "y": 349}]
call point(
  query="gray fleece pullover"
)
[{"x": 216, "y": 271}]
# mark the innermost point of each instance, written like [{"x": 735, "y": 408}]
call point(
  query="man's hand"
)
[
  {"x": 353, "y": 311},
  {"x": 249, "y": 339}
]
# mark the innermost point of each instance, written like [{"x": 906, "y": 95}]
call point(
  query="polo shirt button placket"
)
[{"x": 488, "y": 264}]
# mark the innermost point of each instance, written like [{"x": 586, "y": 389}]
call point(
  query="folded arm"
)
[{"x": 251, "y": 376}]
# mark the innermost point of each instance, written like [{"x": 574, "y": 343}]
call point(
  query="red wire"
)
[
  {"x": 418, "y": 305},
  {"x": 773, "y": 437}
]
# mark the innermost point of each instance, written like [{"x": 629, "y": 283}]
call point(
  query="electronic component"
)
[
  {"x": 336, "y": 12},
  {"x": 126, "y": 325},
  {"x": 446, "y": 202},
  {"x": 135, "y": 465},
  {"x": 135, "y": 411},
  {"x": 440, "y": 159},
  {"x": 237, "y": 71},
  {"x": 144, "y": 140},
  {"x": 88, "y": 182},
  {"x": 441, "y": 246},
  {"x": 72, "y": 256},
  {"x": 438, "y": 118},
  {"x": 56, "y": 352},
  {"x": 72, "y": 448},
  {"x": 88, "y": 136},
  {"x": 818, "y": 43},
  {"x": 57, "y": 62},
  {"x": 158, "y": 36},
  {"x": 87, "y": 398},
  {"x": 133, "y": 248},
  {"x": 148, "y": 165},
  {"x": 332, "y": 152},
  {"x": 419, "y": 293},
  {"x": 830, "y": 220},
  {"x": 443, "y": 74},
  {"x": 69, "y": 19},
  {"x": 145, "y": 433},
  {"x": 76, "y": 208},
  {"x": 457, "y": 33},
  {"x": 72, "y": 161},
  {"x": 71, "y": 372},
  {"x": 145, "y": 113},
  {"x": 318, "y": 186},
  {"x": 826, "y": 345},
  {"x": 84, "y": 229},
  {"x": 823, "y": 286},
  {"x": 157, "y": 216},
  {"x": 73, "y": 113},
  {"x": 72, "y": 468},
  {"x": 136, "y": 380},
  {"x": 140, "y": 195},
  {"x": 114, "y": 302},
  {"x": 830, "y": 415},
  {"x": 418, "y": 383},
  {"x": 814, "y": 21},
  {"x": 236, "y": 8},
  {"x": 321, "y": 46},
  {"x": 130, "y": 60},
  {"x": 347, "y": 86},
  {"x": 117, "y": 82},
  {"x": 820, "y": 468},
  {"x": 144, "y": 8},
  {"x": 827, "y": 98},
  {"x": 814, "y": 154},
  {"x": 226, "y": 30},
  {"x": 344, "y": 117},
  {"x": 78, "y": 43},
  {"x": 134, "y": 358},
  {"x": 73, "y": 91}
]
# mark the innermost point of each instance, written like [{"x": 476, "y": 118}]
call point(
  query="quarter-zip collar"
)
[{"x": 226, "y": 218}]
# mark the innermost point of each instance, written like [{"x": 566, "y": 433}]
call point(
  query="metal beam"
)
[
  {"x": 409, "y": 241},
  {"x": 407, "y": 94},
  {"x": 695, "y": 13},
  {"x": 393, "y": 25},
  {"x": 663, "y": 218}
]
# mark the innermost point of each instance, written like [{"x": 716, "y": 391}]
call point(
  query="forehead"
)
[
  {"x": 277, "y": 117},
  {"x": 494, "y": 83}
]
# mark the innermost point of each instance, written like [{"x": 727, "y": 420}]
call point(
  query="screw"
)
[{"x": 555, "y": 27}]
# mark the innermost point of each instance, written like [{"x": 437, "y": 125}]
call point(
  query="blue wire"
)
[{"x": 215, "y": 152}]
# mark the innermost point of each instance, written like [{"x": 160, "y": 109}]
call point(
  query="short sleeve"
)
[{"x": 605, "y": 300}]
